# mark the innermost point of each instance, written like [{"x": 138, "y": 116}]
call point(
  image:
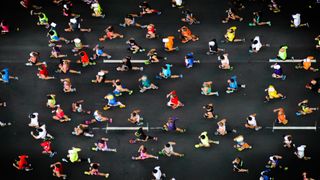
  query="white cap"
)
[
  {"x": 73, "y": 20},
  {"x": 77, "y": 40},
  {"x": 239, "y": 138},
  {"x": 301, "y": 148},
  {"x": 277, "y": 66},
  {"x": 53, "y": 24},
  {"x": 165, "y": 40},
  {"x": 101, "y": 73},
  {"x": 212, "y": 43},
  {"x": 296, "y": 15}
]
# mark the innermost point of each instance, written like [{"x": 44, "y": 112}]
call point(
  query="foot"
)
[
  {"x": 106, "y": 108},
  {"x": 283, "y": 77}
]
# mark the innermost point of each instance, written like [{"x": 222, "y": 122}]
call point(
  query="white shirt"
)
[
  {"x": 286, "y": 139},
  {"x": 257, "y": 46},
  {"x": 253, "y": 121},
  {"x": 34, "y": 121},
  {"x": 212, "y": 43},
  {"x": 225, "y": 60},
  {"x": 179, "y": 2},
  {"x": 158, "y": 174},
  {"x": 94, "y": 5},
  {"x": 296, "y": 19},
  {"x": 300, "y": 151},
  {"x": 43, "y": 134}
]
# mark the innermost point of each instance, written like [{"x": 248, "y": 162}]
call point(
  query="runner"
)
[
  {"x": 5, "y": 76},
  {"x": 82, "y": 129},
  {"x": 213, "y": 47},
  {"x": 98, "y": 117},
  {"x": 94, "y": 171},
  {"x": 252, "y": 123},
  {"x": 186, "y": 35},
  {"x": 209, "y": 112},
  {"x": 112, "y": 102},
  {"x": 97, "y": 10},
  {"x": 238, "y": 166},
  {"x": 60, "y": 115},
  {"x": 273, "y": 94},
  {"x": 305, "y": 109},
  {"x": 174, "y": 101},
  {"x": 169, "y": 44},
  {"x": 306, "y": 64},
  {"x": 205, "y": 141},
  {"x": 143, "y": 154},
  {"x": 135, "y": 117},
  {"x": 166, "y": 73},
  {"x": 77, "y": 107},
  {"x": 296, "y": 22},
  {"x": 256, "y": 20},
  {"x": 101, "y": 77},
  {"x": 57, "y": 170},
  {"x": 168, "y": 150},
  {"x": 127, "y": 65},
  {"x": 189, "y": 17},
  {"x": 22, "y": 163},
  {"x": 230, "y": 36},
  {"x": 281, "y": 119},
  {"x": 241, "y": 144},
  {"x": 231, "y": 15},
  {"x": 170, "y": 125},
  {"x": 110, "y": 34},
  {"x": 277, "y": 71},
  {"x": 145, "y": 84},
  {"x": 67, "y": 86},
  {"x": 207, "y": 89},
  {"x": 102, "y": 145}
]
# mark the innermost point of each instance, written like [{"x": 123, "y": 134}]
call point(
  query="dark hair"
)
[
  {"x": 41, "y": 15},
  {"x": 221, "y": 56},
  {"x": 155, "y": 171},
  {"x": 95, "y": 166},
  {"x": 202, "y": 136},
  {"x": 255, "y": 42},
  {"x": 58, "y": 165},
  {"x": 168, "y": 145},
  {"x": 249, "y": 118},
  {"x": 31, "y": 116},
  {"x": 232, "y": 80},
  {"x": 51, "y": 33}
]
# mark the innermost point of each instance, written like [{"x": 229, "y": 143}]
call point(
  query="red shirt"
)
[
  {"x": 174, "y": 99},
  {"x": 44, "y": 71},
  {"x": 58, "y": 169},
  {"x": 60, "y": 114},
  {"x": 22, "y": 163},
  {"x": 46, "y": 145},
  {"x": 151, "y": 30},
  {"x": 85, "y": 57}
]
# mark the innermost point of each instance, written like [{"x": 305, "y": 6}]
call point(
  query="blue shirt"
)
[
  {"x": 167, "y": 72},
  {"x": 5, "y": 75}
]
